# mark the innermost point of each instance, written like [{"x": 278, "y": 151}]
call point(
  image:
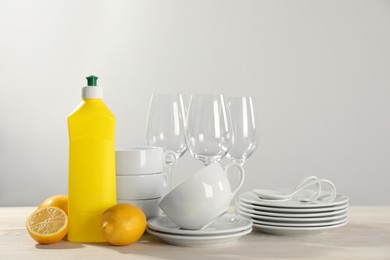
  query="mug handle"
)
[{"x": 242, "y": 175}]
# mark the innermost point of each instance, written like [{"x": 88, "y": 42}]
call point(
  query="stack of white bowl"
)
[{"x": 140, "y": 179}]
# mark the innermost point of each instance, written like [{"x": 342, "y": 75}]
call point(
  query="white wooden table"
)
[{"x": 366, "y": 236}]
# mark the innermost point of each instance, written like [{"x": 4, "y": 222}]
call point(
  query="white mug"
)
[{"x": 202, "y": 197}]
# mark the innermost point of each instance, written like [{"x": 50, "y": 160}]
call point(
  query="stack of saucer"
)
[
  {"x": 140, "y": 179},
  {"x": 223, "y": 231},
  {"x": 294, "y": 217}
]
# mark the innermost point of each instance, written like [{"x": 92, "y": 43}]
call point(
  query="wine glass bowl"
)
[
  {"x": 166, "y": 123},
  {"x": 208, "y": 128},
  {"x": 244, "y": 129}
]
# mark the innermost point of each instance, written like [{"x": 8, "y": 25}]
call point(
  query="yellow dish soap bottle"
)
[{"x": 92, "y": 187}]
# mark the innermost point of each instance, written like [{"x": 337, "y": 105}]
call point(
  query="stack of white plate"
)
[
  {"x": 223, "y": 231},
  {"x": 294, "y": 217}
]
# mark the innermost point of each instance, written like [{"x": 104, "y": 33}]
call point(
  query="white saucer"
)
[
  {"x": 251, "y": 198},
  {"x": 294, "y": 231},
  {"x": 199, "y": 240},
  {"x": 291, "y": 219},
  {"x": 288, "y": 213},
  {"x": 227, "y": 223},
  {"x": 301, "y": 225}
]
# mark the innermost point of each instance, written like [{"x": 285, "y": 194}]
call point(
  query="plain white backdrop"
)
[{"x": 318, "y": 72}]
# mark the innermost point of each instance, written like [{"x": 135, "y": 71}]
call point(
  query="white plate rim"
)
[
  {"x": 152, "y": 223},
  {"x": 292, "y": 219},
  {"x": 275, "y": 230},
  {"x": 300, "y": 225},
  {"x": 296, "y": 210},
  {"x": 198, "y": 237},
  {"x": 254, "y": 210}
]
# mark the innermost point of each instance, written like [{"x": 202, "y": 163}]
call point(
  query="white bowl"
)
[
  {"x": 139, "y": 187},
  {"x": 139, "y": 160},
  {"x": 149, "y": 207}
]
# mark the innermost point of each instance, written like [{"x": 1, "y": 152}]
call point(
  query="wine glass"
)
[
  {"x": 165, "y": 128},
  {"x": 244, "y": 131},
  {"x": 208, "y": 128}
]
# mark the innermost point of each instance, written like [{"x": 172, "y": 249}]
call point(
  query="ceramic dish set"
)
[
  {"x": 295, "y": 216},
  {"x": 194, "y": 212}
]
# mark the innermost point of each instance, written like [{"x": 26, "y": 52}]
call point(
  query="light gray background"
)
[{"x": 318, "y": 72}]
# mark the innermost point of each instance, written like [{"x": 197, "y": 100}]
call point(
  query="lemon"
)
[
  {"x": 123, "y": 224},
  {"x": 59, "y": 201},
  {"x": 47, "y": 225}
]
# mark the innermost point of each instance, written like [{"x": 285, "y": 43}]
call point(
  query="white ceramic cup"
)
[
  {"x": 202, "y": 197},
  {"x": 149, "y": 207},
  {"x": 145, "y": 186},
  {"x": 139, "y": 160}
]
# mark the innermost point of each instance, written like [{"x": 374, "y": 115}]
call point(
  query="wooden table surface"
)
[{"x": 366, "y": 236}]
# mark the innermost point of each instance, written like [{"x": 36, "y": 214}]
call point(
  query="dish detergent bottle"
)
[{"x": 91, "y": 165}]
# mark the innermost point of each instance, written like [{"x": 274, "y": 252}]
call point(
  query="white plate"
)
[
  {"x": 294, "y": 231},
  {"x": 251, "y": 198},
  {"x": 301, "y": 225},
  {"x": 227, "y": 223},
  {"x": 199, "y": 240},
  {"x": 294, "y": 210},
  {"x": 292, "y": 220},
  {"x": 303, "y": 214}
]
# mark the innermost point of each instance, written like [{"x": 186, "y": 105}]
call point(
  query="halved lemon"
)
[{"x": 47, "y": 225}]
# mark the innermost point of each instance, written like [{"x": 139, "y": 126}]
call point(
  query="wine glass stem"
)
[{"x": 168, "y": 171}]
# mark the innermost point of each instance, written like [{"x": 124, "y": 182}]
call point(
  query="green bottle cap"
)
[{"x": 92, "y": 81}]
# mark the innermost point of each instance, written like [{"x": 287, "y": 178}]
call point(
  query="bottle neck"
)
[
  {"x": 92, "y": 93},
  {"x": 92, "y": 99}
]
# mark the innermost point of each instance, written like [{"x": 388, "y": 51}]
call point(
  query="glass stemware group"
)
[{"x": 212, "y": 129}]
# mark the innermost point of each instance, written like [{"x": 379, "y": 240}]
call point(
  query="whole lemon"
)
[
  {"x": 58, "y": 201},
  {"x": 123, "y": 224}
]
